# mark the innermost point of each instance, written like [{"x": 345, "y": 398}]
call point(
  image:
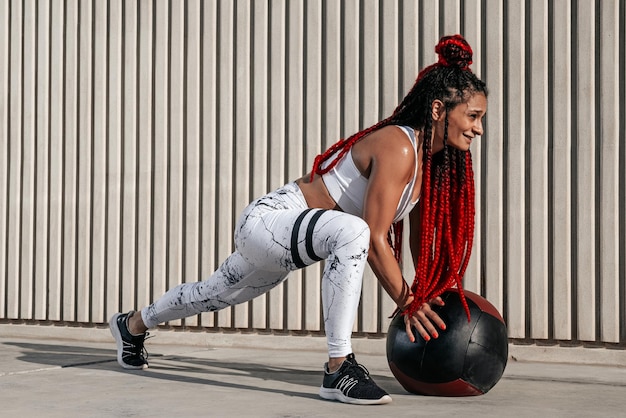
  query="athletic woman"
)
[{"x": 348, "y": 211}]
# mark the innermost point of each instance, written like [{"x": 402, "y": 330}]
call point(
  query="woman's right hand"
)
[{"x": 425, "y": 321}]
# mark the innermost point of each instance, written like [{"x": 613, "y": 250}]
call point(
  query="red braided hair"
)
[
  {"x": 447, "y": 198},
  {"x": 447, "y": 229}
]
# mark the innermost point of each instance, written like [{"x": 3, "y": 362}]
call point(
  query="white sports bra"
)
[{"x": 347, "y": 186}]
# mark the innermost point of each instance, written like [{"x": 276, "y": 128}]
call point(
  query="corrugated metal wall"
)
[{"x": 133, "y": 133}]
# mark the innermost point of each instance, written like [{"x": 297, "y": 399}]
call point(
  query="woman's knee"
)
[{"x": 353, "y": 231}]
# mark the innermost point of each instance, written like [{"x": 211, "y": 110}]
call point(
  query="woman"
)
[{"x": 345, "y": 212}]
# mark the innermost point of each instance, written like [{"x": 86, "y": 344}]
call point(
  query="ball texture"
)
[{"x": 467, "y": 359}]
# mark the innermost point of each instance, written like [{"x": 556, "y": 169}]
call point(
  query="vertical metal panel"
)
[
  {"x": 70, "y": 158},
  {"x": 562, "y": 87},
  {"x": 114, "y": 152},
  {"x": 277, "y": 119},
  {"x": 84, "y": 159},
  {"x": 295, "y": 150},
  {"x": 42, "y": 160},
  {"x": 410, "y": 41},
  {"x": 4, "y": 150},
  {"x": 225, "y": 135},
  {"x": 429, "y": 32},
  {"x": 312, "y": 142},
  {"x": 28, "y": 161},
  {"x": 609, "y": 213},
  {"x": 259, "y": 53},
  {"x": 133, "y": 134},
  {"x": 585, "y": 173},
  {"x": 208, "y": 119},
  {"x": 148, "y": 127},
  {"x": 369, "y": 65},
  {"x": 450, "y": 16},
  {"x": 13, "y": 222},
  {"x": 157, "y": 178},
  {"x": 390, "y": 57},
  {"x": 192, "y": 158},
  {"x": 5, "y": 66},
  {"x": 472, "y": 30},
  {"x": 241, "y": 153},
  {"x": 621, "y": 39},
  {"x": 100, "y": 183},
  {"x": 514, "y": 143},
  {"x": 176, "y": 143},
  {"x": 351, "y": 70},
  {"x": 537, "y": 165},
  {"x": 492, "y": 147},
  {"x": 332, "y": 66},
  {"x": 129, "y": 175}
]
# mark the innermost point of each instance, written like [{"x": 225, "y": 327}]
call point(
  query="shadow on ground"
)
[{"x": 189, "y": 369}]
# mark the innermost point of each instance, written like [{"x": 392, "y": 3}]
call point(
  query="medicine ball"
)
[{"x": 467, "y": 359}]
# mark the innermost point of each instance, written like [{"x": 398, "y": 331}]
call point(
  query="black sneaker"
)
[
  {"x": 130, "y": 351},
  {"x": 352, "y": 384}
]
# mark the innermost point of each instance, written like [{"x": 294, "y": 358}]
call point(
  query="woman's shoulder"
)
[
  {"x": 389, "y": 147},
  {"x": 392, "y": 139}
]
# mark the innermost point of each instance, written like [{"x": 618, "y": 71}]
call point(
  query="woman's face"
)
[{"x": 465, "y": 122}]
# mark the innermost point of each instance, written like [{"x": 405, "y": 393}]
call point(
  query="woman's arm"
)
[{"x": 387, "y": 158}]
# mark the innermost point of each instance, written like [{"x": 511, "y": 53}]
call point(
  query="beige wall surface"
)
[{"x": 132, "y": 133}]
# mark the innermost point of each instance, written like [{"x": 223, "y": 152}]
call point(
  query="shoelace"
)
[
  {"x": 361, "y": 371},
  {"x": 136, "y": 349}
]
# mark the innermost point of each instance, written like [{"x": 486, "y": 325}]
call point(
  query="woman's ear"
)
[{"x": 438, "y": 110}]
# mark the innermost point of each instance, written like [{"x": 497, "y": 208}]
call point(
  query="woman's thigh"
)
[{"x": 289, "y": 239}]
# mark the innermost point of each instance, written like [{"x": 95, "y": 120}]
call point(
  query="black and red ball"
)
[{"x": 467, "y": 359}]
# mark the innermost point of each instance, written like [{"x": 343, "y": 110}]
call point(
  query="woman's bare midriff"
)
[{"x": 316, "y": 193}]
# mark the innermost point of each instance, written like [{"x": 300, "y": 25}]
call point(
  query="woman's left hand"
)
[{"x": 424, "y": 320}]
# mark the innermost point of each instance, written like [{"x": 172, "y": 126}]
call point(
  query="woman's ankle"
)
[
  {"x": 335, "y": 363},
  {"x": 135, "y": 324}
]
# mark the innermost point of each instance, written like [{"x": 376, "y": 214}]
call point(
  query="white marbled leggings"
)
[{"x": 276, "y": 234}]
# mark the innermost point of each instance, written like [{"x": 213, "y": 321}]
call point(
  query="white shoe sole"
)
[{"x": 337, "y": 395}]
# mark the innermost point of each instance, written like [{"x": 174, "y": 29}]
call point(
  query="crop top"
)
[{"x": 347, "y": 186}]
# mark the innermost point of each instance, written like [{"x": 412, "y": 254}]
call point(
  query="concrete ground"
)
[{"x": 46, "y": 373}]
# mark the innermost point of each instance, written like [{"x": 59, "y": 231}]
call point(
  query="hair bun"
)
[{"x": 454, "y": 51}]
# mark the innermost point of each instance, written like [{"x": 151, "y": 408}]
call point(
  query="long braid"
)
[
  {"x": 341, "y": 148},
  {"x": 444, "y": 255},
  {"x": 427, "y": 227}
]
